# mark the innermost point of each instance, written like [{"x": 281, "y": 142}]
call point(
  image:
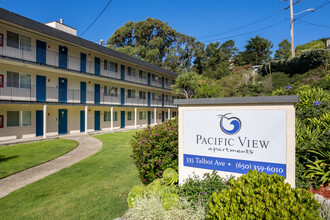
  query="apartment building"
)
[{"x": 53, "y": 82}]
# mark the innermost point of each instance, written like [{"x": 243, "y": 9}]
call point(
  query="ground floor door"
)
[
  {"x": 39, "y": 123},
  {"x": 163, "y": 116},
  {"x": 97, "y": 121},
  {"x": 149, "y": 117},
  {"x": 122, "y": 119},
  {"x": 62, "y": 121},
  {"x": 82, "y": 121}
]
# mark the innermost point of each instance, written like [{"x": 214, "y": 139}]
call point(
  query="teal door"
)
[
  {"x": 82, "y": 121},
  {"x": 97, "y": 120},
  {"x": 163, "y": 116},
  {"x": 149, "y": 117},
  {"x": 62, "y": 121},
  {"x": 62, "y": 57},
  {"x": 122, "y": 119},
  {"x": 41, "y": 52},
  {"x": 62, "y": 89},
  {"x": 41, "y": 88},
  {"x": 39, "y": 123}
]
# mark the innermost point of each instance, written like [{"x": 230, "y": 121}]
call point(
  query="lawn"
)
[
  {"x": 94, "y": 188},
  {"x": 22, "y": 156}
]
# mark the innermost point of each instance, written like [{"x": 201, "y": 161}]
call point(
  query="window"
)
[
  {"x": 159, "y": 80},
  {"x": 159, "y": 115},
  {"x": 1, "y": 121},
  {"x": 25, "y": 43},
  {"x": 26, "y": 118},
  {"x": 166, "y": 115},
  {"x": 153, "y": 96},
  {"x": 12, "y": 39},
  {"x": 130, "y": 116},
  {"x": 152, "y": 115},
  {"x": 115, "y": 116},
  {"x": 153, "y": 77},
  {"x": 173, "y": 114},
  {"x": 142, "y": 74},
  {"x": 1, "y": 80},
  {"x": 131, "y": 94},
  {"x": 12, "y": 118},
  {"x": 105, "y": 65},
  {"x": 110, "y": 91},
  {"x": 142, "y": 115},
  {"x": 142, "y": 95},
  {"x": 114, "y": 91},
  {"x": 25, "y": 81},
  {"x": 113, "y": 66},
  {"x": 131, "y": 72},
  {"x": 160, "y": 98},
  {"x": 107, "y": 116}
]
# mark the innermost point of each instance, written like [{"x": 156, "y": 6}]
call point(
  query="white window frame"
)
[
  {"x": 130, "y": 116},
  {"x": 20, "y": 118},
  {"x": 142, "y": 115}
]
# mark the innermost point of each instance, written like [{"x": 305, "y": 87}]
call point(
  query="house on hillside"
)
[
  {"x": 53, "y": 82},
  {"x": 328, "y": 43}
]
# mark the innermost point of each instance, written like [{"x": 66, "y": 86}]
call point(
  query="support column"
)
[
  {"x": 86, "y": 118},
  {"x": 155, "y": 116},
  {"x": 135, "y": 121},
  {"x": 111, "y": 122},
  {"x": 45, "y": 122},
  {"x": 169, "y": 114}
]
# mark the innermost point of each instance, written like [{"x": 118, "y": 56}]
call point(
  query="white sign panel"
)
[{"x": 235, "y": 141}]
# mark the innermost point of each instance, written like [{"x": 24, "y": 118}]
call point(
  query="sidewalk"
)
[{"x": 87, "y": 146}]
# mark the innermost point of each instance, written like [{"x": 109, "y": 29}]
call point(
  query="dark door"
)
[
  {"x": 97, "y": 94},
  {"x": 82, "y": 121},
  {"x": 162, "y": 100},
  {"x": 163, "y": 115},
  {"x": 122, "y": 96},
  {"x": 41, "y": 52},
  {"x": 39, "y": 123},
  {"x": 97, "y": 120},
  {"x": 162, "y": 82},
  {"x": 82, "y": 92},
  {"x": 122, "y": 119},
  {"x": 148, "y": 98},
  {"x": 41, "y": 88},
  {"x": 149, "y": 117},
  {"x": 148, "y": 79},
  {"x": 62, "y": 89},
  {"x": 83, "y": 62},
  {"x": 97, "y": 66},
  {"x": 63, "y": 57},
  {"x": 122, "y": 72},
  {"x": 62, "y": 121}
]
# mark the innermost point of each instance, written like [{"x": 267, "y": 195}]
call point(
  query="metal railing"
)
[
  {"x": 21, "y": 92},
  {"x": 29, "y": 53}
]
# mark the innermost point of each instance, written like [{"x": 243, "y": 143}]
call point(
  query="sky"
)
[{"x": 207, "y": 20}]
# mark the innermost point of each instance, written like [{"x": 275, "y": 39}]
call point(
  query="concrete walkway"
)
[{"x": 87, "y": 146}]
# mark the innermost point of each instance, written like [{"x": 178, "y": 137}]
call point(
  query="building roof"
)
[{"x": 42, "y": 28}]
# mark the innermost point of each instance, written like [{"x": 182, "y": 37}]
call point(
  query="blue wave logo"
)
[{"x": 230, "y": 125}]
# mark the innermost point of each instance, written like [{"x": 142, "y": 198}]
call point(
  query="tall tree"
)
[
  {"x": 187, "y": 84},
  {"x": 284, "y": 50},
  {"x": 257, "y": 51}
]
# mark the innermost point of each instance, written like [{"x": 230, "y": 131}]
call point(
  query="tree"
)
[
  {"x": 284, "y": 50},
  {"x": 257, "y": 51},
  {"x": 156, "y": 42},
  {"x": 187, "y": 84}
]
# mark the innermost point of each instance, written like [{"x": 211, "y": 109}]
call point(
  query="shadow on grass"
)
[{"x": 4, "y": 158}]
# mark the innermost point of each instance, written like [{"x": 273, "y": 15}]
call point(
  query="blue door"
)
[
  {"x": 148, "y": 98},
  {"x": 62, "y": 57},
  {"x": 83, "y": 62},
  {"x": 82, "y": 92},
  {"x": 39, "y": 123},
  {"x": 163, "y": 115},
  {"x": 122, "y": 119},
  {"x": 41, "y": 88},
  {"x": 149, "y": 117},
  {"x": 41, "y": 52},
  {"x": 162, "y": 82},
  {"x": 97, "y": 120},
  {"x": 122, "y": 96},
  {"x": 97, "y": 66},
  {"x": 62, "y": 121},
  {"x": 97, "y": 94},
  {"x": 148, "y": 79},
  {"x": 162, "y": 100},
  {"x": 62, "y": 89},
  {"x": 122, "y": 72},
  {"x": 82, "y": 121}
]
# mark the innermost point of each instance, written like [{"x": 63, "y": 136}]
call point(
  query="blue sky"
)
[{"x": 207, "y": 20}]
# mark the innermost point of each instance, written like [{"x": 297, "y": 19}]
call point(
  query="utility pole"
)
[{"x": 292, "y": 34}]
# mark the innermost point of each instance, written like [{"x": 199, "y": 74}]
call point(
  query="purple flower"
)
[
  {"x": 205, "y": 193},
  {"x": 288, "y": 87},
  {"x": 143, "y": 180},
  {"x": 315, "y": 103},
  {"x": 156, "y": 134},
  {"x": 148, "y": 155}
]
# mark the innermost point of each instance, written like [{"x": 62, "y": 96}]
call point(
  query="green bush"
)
[
  {"x": 156, "y": 149},
  {"x": 261, "y": 196},
  {"x": 199, "y": 190}
]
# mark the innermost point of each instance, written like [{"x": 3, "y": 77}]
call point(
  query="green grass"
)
[
  {"x": 94, "y": 188},
  {"x": 22, "y": 156}
]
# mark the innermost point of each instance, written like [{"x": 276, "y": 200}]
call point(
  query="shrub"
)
[
  {"x": 156, "y": 149},
  {"x": 261, "y": 196},
  {"x": 199, "y": 190},
  {"x": 324, "y": 210}
]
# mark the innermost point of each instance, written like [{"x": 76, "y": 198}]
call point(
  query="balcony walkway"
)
[{"x": 87, "y": 146}]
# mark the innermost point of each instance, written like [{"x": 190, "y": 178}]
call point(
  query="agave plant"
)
[{"x": 170, "y": 176}]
